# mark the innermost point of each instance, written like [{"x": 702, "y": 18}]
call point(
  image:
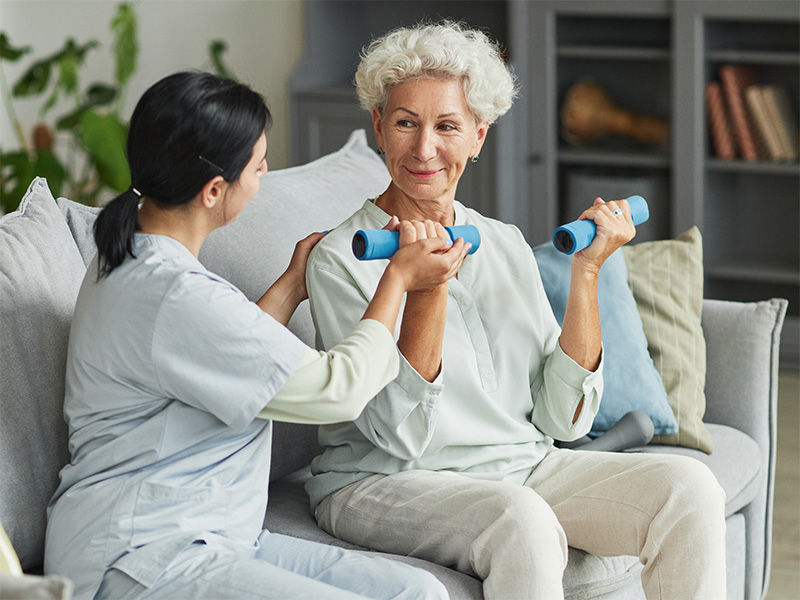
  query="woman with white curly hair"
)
[{"x": 454, "y": 461}]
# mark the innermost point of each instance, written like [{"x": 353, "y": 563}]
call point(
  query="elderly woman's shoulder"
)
[{"x": 336, "y": 246}]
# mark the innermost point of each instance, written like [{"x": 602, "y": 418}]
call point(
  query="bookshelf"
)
[{"x": 750, "y": 210}]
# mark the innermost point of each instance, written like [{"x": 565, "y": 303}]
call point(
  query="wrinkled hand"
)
[
  {"x": 427, "y": 257},
  {"x": 614, "y": 229}
]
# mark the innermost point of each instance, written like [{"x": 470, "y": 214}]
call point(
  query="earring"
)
[
  {"x": 380, "y": 152},
  {"x": 473, "y": 159}
]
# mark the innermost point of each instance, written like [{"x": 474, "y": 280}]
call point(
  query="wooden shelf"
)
[
  {"x": 613, "y": 53},
  {"x": 757, "y": 167},
  {"x": 750, "y": 270},
  {"x": 754, "y": 57},
  {"x": 614, "y": 158}
]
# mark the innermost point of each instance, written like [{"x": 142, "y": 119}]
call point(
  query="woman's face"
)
[
  {"x": 242, "y": 191},
  {"x": 428, "y": 133}
]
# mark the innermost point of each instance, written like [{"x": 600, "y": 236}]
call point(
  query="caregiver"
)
[{"x": 173, "y": 377}]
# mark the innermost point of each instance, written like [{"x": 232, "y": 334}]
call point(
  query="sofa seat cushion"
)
[
  {"x": 587, "y": 576},
  {"x": 736, "y": 462}
]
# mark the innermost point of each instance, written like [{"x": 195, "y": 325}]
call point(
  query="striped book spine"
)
[
  {"x": 721, "y": 135},
  {"x": 734, "y": 81}
]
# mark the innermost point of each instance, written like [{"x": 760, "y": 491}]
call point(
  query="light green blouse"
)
[{"x": 505, "y": 390}]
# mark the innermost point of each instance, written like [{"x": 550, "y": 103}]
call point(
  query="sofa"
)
[{"x": 46, "y": 244}]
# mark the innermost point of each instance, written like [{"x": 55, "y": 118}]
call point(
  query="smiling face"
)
[{"x": 428, "y": 133}]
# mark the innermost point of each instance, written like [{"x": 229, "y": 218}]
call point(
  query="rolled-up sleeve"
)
[
  {"x": 557, "y": 391},
  {"x": 334, "y": 386}
]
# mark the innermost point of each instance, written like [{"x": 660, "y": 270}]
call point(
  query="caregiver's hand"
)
[
  {"x": 283, "y": 297},
  {"x": 614, "y": 229},
  {"x": 424, "y": 262},
  {"x": 426, "y": 255}
]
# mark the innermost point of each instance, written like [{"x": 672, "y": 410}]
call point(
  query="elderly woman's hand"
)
[{"x": 614, "y": 229}]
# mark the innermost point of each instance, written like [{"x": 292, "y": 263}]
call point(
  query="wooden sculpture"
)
[{"x": 588, "y": 114}]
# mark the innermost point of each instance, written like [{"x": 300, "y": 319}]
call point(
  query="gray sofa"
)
[{"x": 45, "y": 247}]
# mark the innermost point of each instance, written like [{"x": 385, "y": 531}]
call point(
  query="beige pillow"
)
[
  {"x": 9, "y": 563},
  {"x": 666, "y": 278}
]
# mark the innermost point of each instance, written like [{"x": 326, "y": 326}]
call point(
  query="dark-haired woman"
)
[{"x": 173, "y": 377}]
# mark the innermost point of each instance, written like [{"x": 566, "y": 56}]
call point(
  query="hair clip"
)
[{"x": 205, "y": 160}]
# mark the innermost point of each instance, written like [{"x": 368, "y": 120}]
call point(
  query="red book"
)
[
  {"x": 735, "y": 79},
  {"x": 718, "y": 120}
]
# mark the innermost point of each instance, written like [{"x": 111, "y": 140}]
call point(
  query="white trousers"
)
[{"x": 668, "y": 510}]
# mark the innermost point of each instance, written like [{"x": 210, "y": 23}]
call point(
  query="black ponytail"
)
[
  {"x": 186, "y": 129},
  {"x": 114, "y": 231}
]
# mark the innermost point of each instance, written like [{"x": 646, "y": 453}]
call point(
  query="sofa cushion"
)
[
  {"x": 80, "y": 220},
  {"x": 40, "y": 273},
  {"x": 587, "y": 576},
  {"x": 736, "y": 463},
  {"x": 253, "y": 251},
  {"x": 630, "y": 381},
  {"x": 667, "y": 281}
]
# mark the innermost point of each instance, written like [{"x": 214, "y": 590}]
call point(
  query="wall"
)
[{"x": 264, "y": 38}]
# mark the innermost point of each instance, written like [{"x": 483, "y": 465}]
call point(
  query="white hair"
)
[{"x": 442, "y": 51}]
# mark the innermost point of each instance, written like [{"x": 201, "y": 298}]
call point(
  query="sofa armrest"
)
[
  {"x": 742, "y": 343},
  {"x": 742, "y": 346}
]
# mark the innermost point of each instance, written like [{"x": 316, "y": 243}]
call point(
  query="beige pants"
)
[{"x": 668, "y": 510}]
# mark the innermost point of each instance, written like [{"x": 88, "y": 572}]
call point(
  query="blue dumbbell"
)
[
  {"x": 369, "y": 244},
  {"x": 574, "y": 237}
]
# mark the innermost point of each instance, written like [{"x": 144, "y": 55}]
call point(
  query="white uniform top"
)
[
  {"x": 168, "y": 367},
  {"x": 505, "y": 390}
]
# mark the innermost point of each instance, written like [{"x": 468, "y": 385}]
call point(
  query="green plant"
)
[
  {"x": 94, "y": 127},
  {"x": 97, "y": 133}
]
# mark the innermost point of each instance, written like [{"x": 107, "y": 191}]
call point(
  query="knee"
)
[
  {"x": 696, "y": 488},
  {"x": 521, "y": 515}
]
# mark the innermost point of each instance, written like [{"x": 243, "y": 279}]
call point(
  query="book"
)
[
  {"x": 780, "y": 112},
  {"x": 735, "y": 79},
  {"x": 719, "y": 121},
  {"x": 764, "y": 123}
]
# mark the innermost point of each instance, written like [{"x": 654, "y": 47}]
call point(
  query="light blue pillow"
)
[{"x": 631, "y": 381}]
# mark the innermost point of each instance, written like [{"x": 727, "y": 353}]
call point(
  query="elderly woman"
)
[{"x": 454, "y": 461}]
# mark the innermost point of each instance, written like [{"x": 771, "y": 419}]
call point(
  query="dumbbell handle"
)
[
  {"x": 369, "y": 244},
  {"x": 574, "y": 237}
]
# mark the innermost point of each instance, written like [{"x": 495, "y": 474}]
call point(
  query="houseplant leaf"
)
[
  {"x": 215, "y": 50},
  {"x": 16, "y": 173},
  {"x": 125, "y": 47},
  {"x": 9, "y": 52},
  {"x": 104, "y": 138},
  {"x": 33, "y": 81},
  {"x": 98, "y": 94},
  {"x": 48, "y": 166}
]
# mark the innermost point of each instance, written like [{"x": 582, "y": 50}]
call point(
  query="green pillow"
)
[{"x": 666, "y": 278}]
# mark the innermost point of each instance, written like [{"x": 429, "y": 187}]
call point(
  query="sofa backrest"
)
[{"x": 44, "y": 248}]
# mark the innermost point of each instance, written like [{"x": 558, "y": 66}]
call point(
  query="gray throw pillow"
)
[{"x": 40, "y": 273}]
